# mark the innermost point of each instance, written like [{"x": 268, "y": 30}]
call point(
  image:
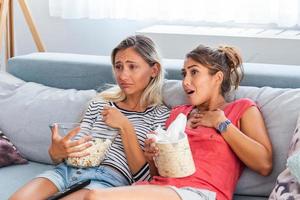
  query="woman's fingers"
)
[
  {"x": 70, "y": 147},
  {"x": 195, "y": 125},
  {"x": 195, "y": 121},
  {"x": 78, "y": 148},
  {"x": 84, "y": 139},
  {"x": 78, "y": 154},
  {"x": 71, "y": 134},
  {"x": 149, "y": 141},
  {"x": 151, "y": 150},
  {"x": 54, "y": 132}
]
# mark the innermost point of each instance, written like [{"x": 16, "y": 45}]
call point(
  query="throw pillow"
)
[
  {"x": 9, "y": 154},
  {"x": 31, "y": 107},
  {"x": 287, "y": 184}
]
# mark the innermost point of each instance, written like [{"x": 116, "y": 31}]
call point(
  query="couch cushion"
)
[
  {"x": 31, "y": 107},
  {"x": 280, "y": 109},
  {"x": 241, "y": 197},
  {"x": 63, "y": 70},
  {"x": 13, "y": 177}
]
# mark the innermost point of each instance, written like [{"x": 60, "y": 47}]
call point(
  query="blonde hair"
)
[{"x": 145, "y": 47}]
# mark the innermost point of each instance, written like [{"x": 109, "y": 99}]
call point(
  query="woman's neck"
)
[
  {"x": 213, "y": 104},
  {"x": 132, "y": 104}
]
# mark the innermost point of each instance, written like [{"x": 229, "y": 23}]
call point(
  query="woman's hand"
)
[
  {"x": 206, "y": 118},
  {"x": 150, "y": 150},
  {"x": 114, "y": 118},
  {"x": 63, "y": 147}
]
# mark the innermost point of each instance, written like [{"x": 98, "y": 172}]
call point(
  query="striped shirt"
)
[{"x": 143, "y": 123}]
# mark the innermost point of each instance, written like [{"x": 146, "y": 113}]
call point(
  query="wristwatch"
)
[{"x": 222, "y": 127}]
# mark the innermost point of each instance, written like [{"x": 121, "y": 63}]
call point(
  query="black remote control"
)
[{"x": 69, "y": 190}]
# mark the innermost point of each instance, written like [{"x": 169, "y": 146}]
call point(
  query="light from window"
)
[{"x": 280, "y": 12}]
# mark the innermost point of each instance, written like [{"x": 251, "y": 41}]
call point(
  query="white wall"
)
[
  {"x": 254, "y": 50},
  {"x": 100, "y": 36},
  {"x": 73, "y": 36}
]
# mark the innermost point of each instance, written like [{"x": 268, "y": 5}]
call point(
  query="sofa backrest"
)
[
  {"x": 68, "y": 71},
  {"x": 280, "y": 107}
]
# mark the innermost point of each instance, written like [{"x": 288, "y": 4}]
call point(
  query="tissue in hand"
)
[{"x": 175, "y": 157}]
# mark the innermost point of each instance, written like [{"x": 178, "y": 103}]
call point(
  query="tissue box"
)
[{"x": 175, "y": 158}]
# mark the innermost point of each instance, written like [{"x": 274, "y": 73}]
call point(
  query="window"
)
[{"x": 280, "y": 13}]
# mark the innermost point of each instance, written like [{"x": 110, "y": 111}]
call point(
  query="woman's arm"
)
[
  {"x": 251, "y": 144},
  {"x": 133, "y": 151}
]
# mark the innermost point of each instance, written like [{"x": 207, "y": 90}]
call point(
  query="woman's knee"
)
[
  {"x": 93, "y": 195},
  {"x": 19, "y": 196},
  {"x": 100, "y": 194}
]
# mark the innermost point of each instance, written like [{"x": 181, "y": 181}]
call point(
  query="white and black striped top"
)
[{"x": 143, "y": 122}]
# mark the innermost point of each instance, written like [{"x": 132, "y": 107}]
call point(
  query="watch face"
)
[{"x": 222, "y": 127}]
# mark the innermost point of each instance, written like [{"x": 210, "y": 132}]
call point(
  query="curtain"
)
[{"x": 283, "y": 13}]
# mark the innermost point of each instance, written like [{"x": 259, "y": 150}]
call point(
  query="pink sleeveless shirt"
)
[{"x": 217, "y": 167}]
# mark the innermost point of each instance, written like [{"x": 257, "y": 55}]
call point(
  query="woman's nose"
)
[
  {"x": 124, "y": 74},
  {"x": 186, "y": 81}
]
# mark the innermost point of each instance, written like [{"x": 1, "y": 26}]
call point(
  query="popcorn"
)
[{"x": 97, "y": 154}]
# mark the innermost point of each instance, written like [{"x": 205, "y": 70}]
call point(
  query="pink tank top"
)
[{"x": 217, "y": 167}]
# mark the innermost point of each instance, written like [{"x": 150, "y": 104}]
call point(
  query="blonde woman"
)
[{"x": 133, "y": 107}]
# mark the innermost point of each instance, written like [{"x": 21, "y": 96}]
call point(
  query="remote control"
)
[{"x": 69, "y": 190}]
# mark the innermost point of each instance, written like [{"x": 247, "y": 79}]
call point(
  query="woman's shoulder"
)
[
  {"x": 97, "y": 101},
  {"x": 160, "y": 109},
  {"x": 244, "y": 102},
  {"x": 237, "y": 108},
  {"x": 181, "y": 108}
]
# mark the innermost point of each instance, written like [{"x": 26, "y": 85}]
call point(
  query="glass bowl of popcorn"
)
[{"x": 101, "y": 142}]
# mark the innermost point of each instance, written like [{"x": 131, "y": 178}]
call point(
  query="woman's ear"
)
[
  {"x": 155, "y": 70},
  {"x": 219, "y": 76}
]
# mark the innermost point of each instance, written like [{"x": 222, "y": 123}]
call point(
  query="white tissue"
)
[{"x": 175, "y": 132}]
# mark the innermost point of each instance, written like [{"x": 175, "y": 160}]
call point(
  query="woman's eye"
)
[
  {"x": 183, "y": 74},
  {"x": 118, "y": 67},
  {"x": 132, "y": 66},
  {"x": 193, "y": 72}
]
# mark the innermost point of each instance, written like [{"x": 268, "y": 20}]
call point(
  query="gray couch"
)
[{"x": 41, "y": 90}]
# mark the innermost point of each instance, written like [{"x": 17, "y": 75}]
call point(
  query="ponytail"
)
[{"x": 234, "y": 62}]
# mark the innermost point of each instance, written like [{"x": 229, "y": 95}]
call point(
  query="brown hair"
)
[{"x": 226, "y": 59}]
